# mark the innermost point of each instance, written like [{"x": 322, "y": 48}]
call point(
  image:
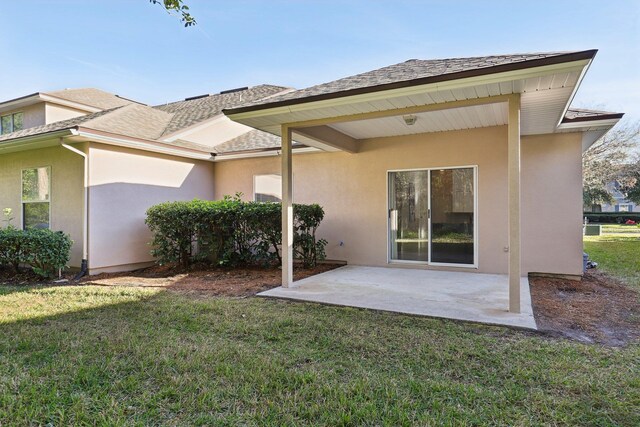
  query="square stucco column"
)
[
  {"x": 287, "y": 209},
  {"x": 514, "y": 202}
]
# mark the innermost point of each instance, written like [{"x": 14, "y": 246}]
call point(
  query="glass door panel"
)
[
  {"x": 409, "y": 215},
  {"x": 452, "y": 216}
]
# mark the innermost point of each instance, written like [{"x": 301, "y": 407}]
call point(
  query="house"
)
[
  {"x": 621, "y": 203},
  {"x": 95, "y": 162},
  {"x": 465, "y": 164}
]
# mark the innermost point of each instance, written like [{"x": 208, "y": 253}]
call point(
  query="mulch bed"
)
[
  {"x": 597, "y": 309},
  {"x": 232, "y": 282}
]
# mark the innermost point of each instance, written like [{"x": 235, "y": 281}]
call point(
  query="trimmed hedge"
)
[
  {"x": 612, "y": 217},
  {"x": 45, "y": 251},
  {"x": 231, "y": 232}
]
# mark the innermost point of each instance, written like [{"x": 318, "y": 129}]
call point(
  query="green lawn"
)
[
  {"x": 617, "y": 252},
  {"x": 128, "y": 356}
]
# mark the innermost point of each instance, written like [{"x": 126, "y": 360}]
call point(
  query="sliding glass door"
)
[
  {"x": 409, "y": 215},
  {"x": 452, "y": 216},
  {"x": 432, "y": 216}
]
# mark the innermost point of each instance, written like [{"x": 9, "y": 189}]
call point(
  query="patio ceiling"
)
[{"x": 546, "y": 92}]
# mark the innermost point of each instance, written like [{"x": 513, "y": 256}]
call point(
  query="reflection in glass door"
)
[
  {"x": 432, "y": 216},
  {"x": 452, "y": 216},
  {"x": 409, "y": 215}
]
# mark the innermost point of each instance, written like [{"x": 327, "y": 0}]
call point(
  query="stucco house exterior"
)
[{"x": 467, "y": 164}]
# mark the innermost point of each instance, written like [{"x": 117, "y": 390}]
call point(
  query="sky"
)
[{"x": 135, "y": 49}]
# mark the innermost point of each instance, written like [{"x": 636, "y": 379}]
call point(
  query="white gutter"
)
[
  {"x": 154, "y": 146},
  {"x": 85, "y": 207},
  {"x": 222, "y": 157},
  {"x": 27, "y": 141}
]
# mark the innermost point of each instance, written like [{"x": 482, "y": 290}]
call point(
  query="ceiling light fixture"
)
[{"x": 410, "y": 120}]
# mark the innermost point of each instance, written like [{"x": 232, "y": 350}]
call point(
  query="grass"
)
[
  {"x": 132, "y": 356},
  {"x": 617, "y": 252}
]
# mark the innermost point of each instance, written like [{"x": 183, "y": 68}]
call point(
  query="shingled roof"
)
[
  {"x": 92, "y": 97},
  {"x": 153, "y": 123},
  {"x": 53, "y": 127},
  {"x": 413, "y": 72},
  {"x": 191, "y": 111}
]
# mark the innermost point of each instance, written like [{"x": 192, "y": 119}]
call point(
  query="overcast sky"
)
[{"x": 134, "y": 49}]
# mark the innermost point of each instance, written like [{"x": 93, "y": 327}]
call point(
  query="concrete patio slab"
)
[{"x": 472, "y": 297}]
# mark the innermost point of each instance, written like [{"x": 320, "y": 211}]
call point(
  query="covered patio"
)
[
  {"x": 524, "y": 95},
  {"x": 452, "y": 295}
]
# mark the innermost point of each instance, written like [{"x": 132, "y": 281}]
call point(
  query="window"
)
[
  {"x": 11, "y": 123},
  {"x": 624, "y": 208},
  {"x": 36, "y": 197},
  {"x": 267, "y": 188}
]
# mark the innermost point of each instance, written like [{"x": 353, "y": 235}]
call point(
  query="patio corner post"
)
[
  {"x": 287, "y": 209},
  {"x": 513, "y": 176}
]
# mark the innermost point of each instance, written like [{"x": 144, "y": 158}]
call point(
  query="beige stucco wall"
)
[
  {"x": 352, "y": 188},
  {"x": 56, "y": 113},
  {"x": 33, "y": 115},
  {"x": 551, "y": 200},
  {"x": 124, "y": 183},
  {"x": 66, "y": 190}
]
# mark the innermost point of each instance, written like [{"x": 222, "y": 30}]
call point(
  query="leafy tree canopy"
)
[{"x": 610, "y": 160}]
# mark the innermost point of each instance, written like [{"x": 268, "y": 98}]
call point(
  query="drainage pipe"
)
[{"x": 85, "y": 210}]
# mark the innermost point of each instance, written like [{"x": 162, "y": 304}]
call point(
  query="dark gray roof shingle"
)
[
  {"x": 53, "y": 127},
  {"x": 252, "y": 140},
  {"x": 408, "y": 71},
  {"x": 90, "y": 96},
  {"x": 581, "y": 114},
  {"x": 190, "y": 112}
]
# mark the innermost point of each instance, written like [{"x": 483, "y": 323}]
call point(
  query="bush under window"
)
[{"x": 45, "y": 251}]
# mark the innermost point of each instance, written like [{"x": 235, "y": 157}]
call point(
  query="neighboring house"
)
[
  {"x": 95, "y": 174},
  {"x": 622, "y": 204},
  {"x": 469, "y": 164}
]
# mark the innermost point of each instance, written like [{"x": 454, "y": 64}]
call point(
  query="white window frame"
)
[
  {"x": 476, "y": 244},
  {"x": 22, "y": 201},
  {"x": 265, "y": 174},
  {"x": 2, "y": 132}
]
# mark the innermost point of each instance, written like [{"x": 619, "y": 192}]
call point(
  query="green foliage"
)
[
  {"x": 45, "y": 251},
  {"x": 611, "y": 217},
  {"x": 231, "y": 232},
  {"x": 177, "y": 6}
]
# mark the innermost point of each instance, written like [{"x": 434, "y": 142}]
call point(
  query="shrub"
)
[
  {"x": 45, "y": 251},
  {"x": 231, "y": 232}
]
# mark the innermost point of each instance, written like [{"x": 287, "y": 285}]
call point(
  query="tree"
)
[
  {"x": 607, "y": 161},
  {"x": 177, "y": 6},
  {"x": 630, "y": 182}
]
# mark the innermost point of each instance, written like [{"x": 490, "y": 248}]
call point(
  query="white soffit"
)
[
  {"x": 546, "y": 92},
  {"x": 472, "y": 117}
]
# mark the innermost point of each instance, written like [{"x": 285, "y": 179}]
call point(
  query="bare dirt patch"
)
[
  {"x": 598, "y": 309},
  {"x": 235, "y": 282}
]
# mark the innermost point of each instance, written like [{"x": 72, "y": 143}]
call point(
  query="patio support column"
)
[
  {"x": 287, "y": 209},
  {"x": 513, "y": 177}
]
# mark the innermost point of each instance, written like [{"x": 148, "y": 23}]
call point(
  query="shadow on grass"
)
[{"x": 87, "y": 355}]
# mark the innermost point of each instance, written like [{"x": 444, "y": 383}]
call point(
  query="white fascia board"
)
[
  {"x": 574, "y": 91},
  {"x": 33, "y": 142},
  {"x": 223, "y": 157},
  {"x": 586, "y": 125},
  {"x": 523, "y": 74},
  {"x": 71, "y": 104},
  {"x": 153, "y": 146},
  {"x": 21, "y": 102}
]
